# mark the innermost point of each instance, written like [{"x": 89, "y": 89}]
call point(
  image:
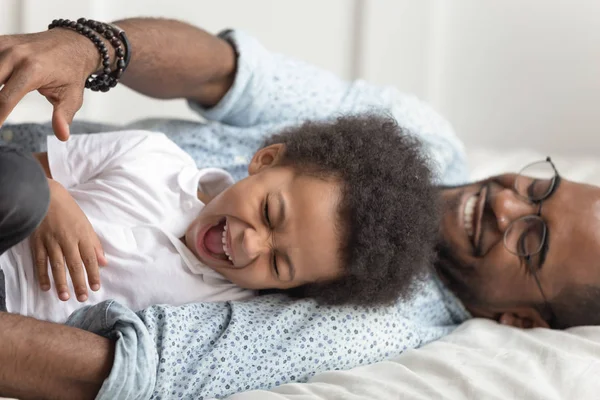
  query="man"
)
[
  {"x": 208, "y": 350},
  {"x": 523, "y": 248}
]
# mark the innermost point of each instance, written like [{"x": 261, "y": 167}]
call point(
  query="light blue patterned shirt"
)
[{"x": 209, "y": 350}]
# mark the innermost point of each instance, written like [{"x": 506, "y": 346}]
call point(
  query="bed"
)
[{"x": 481, "y": 359}]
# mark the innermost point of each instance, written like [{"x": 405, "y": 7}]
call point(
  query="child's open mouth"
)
[{"x": 216, "y": 242}]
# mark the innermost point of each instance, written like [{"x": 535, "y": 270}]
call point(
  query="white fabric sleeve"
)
[{"x": 87, "y": 156}]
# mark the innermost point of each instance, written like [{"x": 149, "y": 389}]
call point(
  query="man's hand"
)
[
  {"x": 66, "y": 234},
  {"x": 170, "y": 59},
  {"x": 56, "y": 63}
]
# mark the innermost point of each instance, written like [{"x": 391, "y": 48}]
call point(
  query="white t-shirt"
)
[{"x": 139, "y": 191}]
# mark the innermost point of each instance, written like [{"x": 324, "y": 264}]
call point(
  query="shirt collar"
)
[{"x": 455, "y": 307}]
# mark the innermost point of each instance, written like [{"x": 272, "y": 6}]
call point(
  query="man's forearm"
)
[
  {"x": 45, "y": 360},
  {"x": 172, "y": 59}
]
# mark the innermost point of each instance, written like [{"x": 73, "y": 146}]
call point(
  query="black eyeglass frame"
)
[{"x": 538, "y": 217}]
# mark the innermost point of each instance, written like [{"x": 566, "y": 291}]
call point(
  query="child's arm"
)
[
  {"x": 138, "y": 160},
  {"x": 42, "y": 158},
  {"x": 65, "y": 235}
]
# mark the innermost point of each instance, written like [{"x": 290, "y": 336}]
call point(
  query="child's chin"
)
[{"x": 211, "y": 261}]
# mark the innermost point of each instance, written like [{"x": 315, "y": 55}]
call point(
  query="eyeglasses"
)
[{"x": 527, "y": 236}]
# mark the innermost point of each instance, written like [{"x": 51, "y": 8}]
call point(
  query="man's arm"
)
[
  {"x": 212, "y": 350},
  {"x": 172, "y": 59},
  {"x": 45, "y": 360}
]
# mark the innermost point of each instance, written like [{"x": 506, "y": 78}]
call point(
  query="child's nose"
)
[{"x": 253, "y": 245}]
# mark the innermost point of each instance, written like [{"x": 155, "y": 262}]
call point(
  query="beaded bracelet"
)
[
  {"x": 106, "y": 79},
  {"x": 113, "y": 33}
]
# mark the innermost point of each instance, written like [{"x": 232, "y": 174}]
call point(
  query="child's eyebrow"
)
[
  {"x": 282, "y": 207},
  {"x": 288, "y": 261},
  {"x": 281, "y": 219}
]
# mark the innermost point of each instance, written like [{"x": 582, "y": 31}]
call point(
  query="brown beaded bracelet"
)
[{"x": 106, "y": 79}]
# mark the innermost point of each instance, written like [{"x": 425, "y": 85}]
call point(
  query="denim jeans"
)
[{"x": 24, "y": 200}]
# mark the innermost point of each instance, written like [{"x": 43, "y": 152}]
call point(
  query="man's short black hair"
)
[
  {"x": 578, "y": 304},
  {"x": 388, "y": 211}
]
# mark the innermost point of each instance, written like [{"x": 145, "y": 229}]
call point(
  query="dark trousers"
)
[{"x": 24, "y": 199}]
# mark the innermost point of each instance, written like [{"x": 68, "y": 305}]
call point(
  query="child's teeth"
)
[{"x": 224, "y": 241}]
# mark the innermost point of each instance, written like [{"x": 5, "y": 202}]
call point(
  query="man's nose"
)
[
  {"x": 254, "y": 243},
  {"x": 509, "y": 206}
]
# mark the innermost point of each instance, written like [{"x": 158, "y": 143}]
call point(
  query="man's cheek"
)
[{"x": 494, "y": 290}]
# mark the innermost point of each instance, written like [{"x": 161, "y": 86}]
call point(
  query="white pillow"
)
[{"x": 485, "y": 162}]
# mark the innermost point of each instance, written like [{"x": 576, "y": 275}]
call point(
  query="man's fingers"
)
[
  {"x": 15, "y": 88},
  {"x": 40, "y": 258},
  {"x": 65, "y": 108},
  {"x": 75, "y": 265},
  {"x": 88, "y": 254},
  {"x": 57, "y": 264},
  {"x": 6, "y": 68}
]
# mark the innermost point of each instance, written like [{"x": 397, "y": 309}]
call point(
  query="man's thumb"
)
[{"x": 64, "y": 112}]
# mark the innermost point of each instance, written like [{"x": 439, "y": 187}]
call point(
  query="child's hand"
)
[{"x": 66, "y": 234}]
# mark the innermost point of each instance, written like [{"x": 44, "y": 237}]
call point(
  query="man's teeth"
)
[
  {"x": 224, "y": 241},
  {"x": 469, "y": 218}
]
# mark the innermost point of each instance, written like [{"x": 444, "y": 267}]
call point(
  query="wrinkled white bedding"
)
[{"x": 481, "y": 359}]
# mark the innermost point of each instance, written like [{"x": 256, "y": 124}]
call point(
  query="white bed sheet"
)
[{"x": 481, "y": 359}]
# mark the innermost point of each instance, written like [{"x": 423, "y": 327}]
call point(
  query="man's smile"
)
[{"x": 472, "y": 209}]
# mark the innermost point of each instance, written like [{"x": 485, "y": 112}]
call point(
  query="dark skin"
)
[
  {"x": 494, "y": 283},
  {"x": 51, "y": 361},
  {"x": 188, "y": 62},
  {"x": 44, "y": 360}
]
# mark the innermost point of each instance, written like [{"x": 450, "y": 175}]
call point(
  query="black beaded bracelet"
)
[
  {"x": 121, "y": 34},
  {"x": 117, "y": 38},
  {"x": 106, "y": 79}
]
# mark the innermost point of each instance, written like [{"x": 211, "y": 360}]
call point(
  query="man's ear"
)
[
  {"x": 525, "y": 318},
  {"x": 519, "y": 317},
  {"x": 266, "y": 157}
]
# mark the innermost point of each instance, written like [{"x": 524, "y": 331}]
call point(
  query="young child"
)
[{"x": 343, "y": 211}]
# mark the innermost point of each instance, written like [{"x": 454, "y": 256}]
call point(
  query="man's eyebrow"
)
[
  {"x": 544, "y": 251},
  {"x": 281, "y": 220}
]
